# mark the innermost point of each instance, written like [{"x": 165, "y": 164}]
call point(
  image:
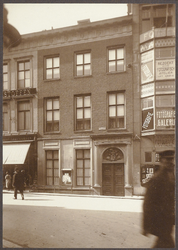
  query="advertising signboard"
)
[
  {"x": 146, "y": 46},
  {"x": 147, "y": 73},
  {"x": 147, "y": 56},
  {"x": 165, "y": 118},
  {"x": 147, "y": 90},
  {"x": 165, "y": 42},
  {"x": 146, "y": 36},
  {"x": 147, "y": 172},
  {"x": 165, "y": 69},
  {"x": 147, "y": 119},
  {"x": 165, "y": 87}
]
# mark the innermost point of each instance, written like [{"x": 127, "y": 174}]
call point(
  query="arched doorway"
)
[{"x": 113, "y": 172}]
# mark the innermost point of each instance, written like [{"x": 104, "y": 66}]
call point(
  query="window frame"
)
[
  {"x": 30, "y": 116},
  {"x": 116, "y": 117},
  {"x": 83, "y": 108},
  {"x": 52, "y": 159},
  {"x": 83, "y": 64},
  {"x": 83, "y": 159},
  {"x": 8, "y": 75},
  {"x": 122, "y": 46},
  {"x": 5, "y": 103},
  {"x": 45, "y": 67},
  {"x": 45, "y": 114}
]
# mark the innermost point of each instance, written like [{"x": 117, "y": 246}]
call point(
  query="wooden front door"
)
[{"x": 113, "y": 179}]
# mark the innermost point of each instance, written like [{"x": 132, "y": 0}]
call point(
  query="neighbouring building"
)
[{"x": 93, "y": 104}]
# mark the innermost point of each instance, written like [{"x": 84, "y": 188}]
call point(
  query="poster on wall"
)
[
  {"x": 165, "y": 69},
  {"x": 147, "y": 74},
  {"x": 147, "y": 119},
  {"x": 165, "y": 118}
]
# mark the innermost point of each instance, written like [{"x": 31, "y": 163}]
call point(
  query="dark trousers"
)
[
  {"x": 16, "y": 190},
  {"x": 164, "y": 242}
]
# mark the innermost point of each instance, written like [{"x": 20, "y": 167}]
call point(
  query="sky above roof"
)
[{"x": 29, "y": 18}]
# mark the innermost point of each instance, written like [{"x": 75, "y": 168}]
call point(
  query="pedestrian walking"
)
[
  {"x": 158, "y": 207},
  {"x": 8, "y": 180},
  {"x": 18, "y": 183}
]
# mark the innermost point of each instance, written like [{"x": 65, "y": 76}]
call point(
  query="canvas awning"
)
[{"x": 15, "y": 153}]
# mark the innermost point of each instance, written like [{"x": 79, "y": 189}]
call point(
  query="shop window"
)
[
  {"x": 5, "y": 76},
  {"x": 83, "y": 167},
  {"x": 116, "y": 110},
  {"x": 24, "y": 80},
  {"x": 83, "y": 112},
  {"x": 52, "y": 114},
  {"x": 5, "y": 117},
  {"x": 83, "y": 64},
  {"x": 165, "y": 101},
  {"x": 148, "y": 157},
  {"x": 52, "y": 67},
  {"x": 24, "y": 121},
  {"x": 52, "y": 167},
  {"x": 116, "y": 62}
]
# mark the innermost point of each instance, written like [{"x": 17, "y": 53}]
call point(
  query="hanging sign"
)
[
  {"x": 147, "y": 90},
  {"x": 147, "y": 119},
  {"x": 165, "y": 69},
  {"x": 165, "y": 118}
]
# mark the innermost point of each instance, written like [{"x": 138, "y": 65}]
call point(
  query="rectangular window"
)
[
  {"x": 83, "y": 167},
  {"x": 148, "y": 157},
  {"x": 52, "y": 114},
  {"x": 5, "y": 117},
  {"x": 147, "y": 103},
  {"x": 52, "y": 167},
  {"x": 116, "y": 110},
  {"x": 24, "y": 120},
  {"x": 83, "y": 64},
  {"x": 116, "y": 60},
  {"x": 5, "y": 76},
  {"x": 24, "y": 74},
  {"x": 52, "y": 67},
  {"x": 165, "y": 101},
  {"x": 83, "y": 112}
]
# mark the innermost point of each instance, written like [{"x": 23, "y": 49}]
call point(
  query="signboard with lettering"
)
[
  {"x": 166, "y": 87},
  {"x": 146, "y": 36},
  {"x": 147, "y": 90},
  {"x": 165, "y": 69},
  {"x": 160, "y": 32},
  {"x": 147, "y": 172},
  {"x": 165, "y": 42},
  {"x": 147, "y": 73},
  {"x": 146, "y": 46},
  {"x": 147, "y": 56},
  {"x": 165, "y": 118},
  {"x": 19, "y": 92},
  {"x": 147, "y": 119}
]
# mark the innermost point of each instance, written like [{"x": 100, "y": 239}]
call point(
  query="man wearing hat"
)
[
  {"x": 18, "y": 183},
  {"x": 158, "y": 207}
]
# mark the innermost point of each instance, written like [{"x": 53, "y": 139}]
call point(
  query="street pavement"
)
[{"x": 71, "y": 221}]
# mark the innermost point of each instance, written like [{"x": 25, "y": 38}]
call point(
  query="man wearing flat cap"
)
[{"x": 158, "y": 207}]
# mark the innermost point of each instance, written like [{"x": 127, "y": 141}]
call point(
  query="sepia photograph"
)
[{"x": 88, "y": 125}]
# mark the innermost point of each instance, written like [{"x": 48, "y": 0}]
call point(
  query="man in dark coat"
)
[
  {"x": 18, "y": 183},
  {"x": 158, "y": 208}
]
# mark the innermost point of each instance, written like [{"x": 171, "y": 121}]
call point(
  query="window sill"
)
[
  {"x": 88, "y": 76},
  {"x": 116, "y": 129},
  {"x": 52, "y": 80},
  {"x": 115, "y": 72},
  {"x": 83, "y": 131},
  {"x": 52, "y": 133}
]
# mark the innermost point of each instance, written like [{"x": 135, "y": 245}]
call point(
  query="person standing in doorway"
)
[
  {"x": 158, "y": 207},
  {"x": 18, "y": 183},
  {"x": 8, "y": 180}
]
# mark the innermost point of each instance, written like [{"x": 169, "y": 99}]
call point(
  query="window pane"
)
[
  {"x": 120, "y": 123},
  {"x": 87, "y": 58},
  {"x": 120, "y": 65},
  {"x": 79, "y": 154},
  {"x": 79, "y": 181},
  {"x": 21, "y": 66},
  {"x": 86, "y": 124},
  {"x": 148, "y": 157},
  {"x": 120, "y": 110},
  {"x": 5, "y": 85},
  {"x": 56, "y": 180},
  {"x": 55, "y": 154},
  {"x": 79, "y": 70},
  {"x": 112, "y": 111},
  {"x": 120, "y": 53},
  {"x": 49, "y": 172},
  {"x": 87, "y": 70},
  {"x": 21, "y": 75},
  {"x": 87, "y": 101},
  {"x": 56, "y": 62},
  {"x": 21, "y": 84},
  {"x": 49, "y": 164},
  {"x": 49, "y": 115},
  {"x": 23, "y": 105},
  {"x": 27, "y": 83},
  {"x": 112, "y": 54},
  {"x": 49, "y": 181},
  {"x": 79, "y": 59},
  {"x": 165, "y": 101},
  {"x": 27, "y": 65},
  {"x": 5, "y": 68},
  {"x": 80, "y": 125},
  {"x": 87, "y": 181},
  {"x": 80, "y": 172},
  {"x": 87, "y": 163},
  {"x": 27, "y": 74},
  {"x": 56, "y": 167},
  {"x": 49, "y": 127},
  {"x": 87, "y": 173},
  {"x": 49, "y": 104},
  {"x": 49, "y": 63},
  {"x": 56, "y": 126},
  {"x": 79, "y": 102},
  {"x": 55, "y": 103},
  {"x": 79, "y": 163},
  {"x": 49, "y": 154},
  {"x": 79, "y": 113},
  {"x": 56, "y": 115},
  {"x": 112, "y": 99},
  {"x": 147, "y": 102},
  {"x": 86, "y": 153},
  {"x": 120, "y": 98},
  {"x": 49, "y": 74},
  {"x": 87, "y": 113},
  {"x": 27, "y": 120},
  {"x": 112, "y": 66},
  {"x": 21, "y": 121},
  {"x": 112, "y": 123},
  {"x": 56, "y": 73},
  {"x": 5, "y": 78}
]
